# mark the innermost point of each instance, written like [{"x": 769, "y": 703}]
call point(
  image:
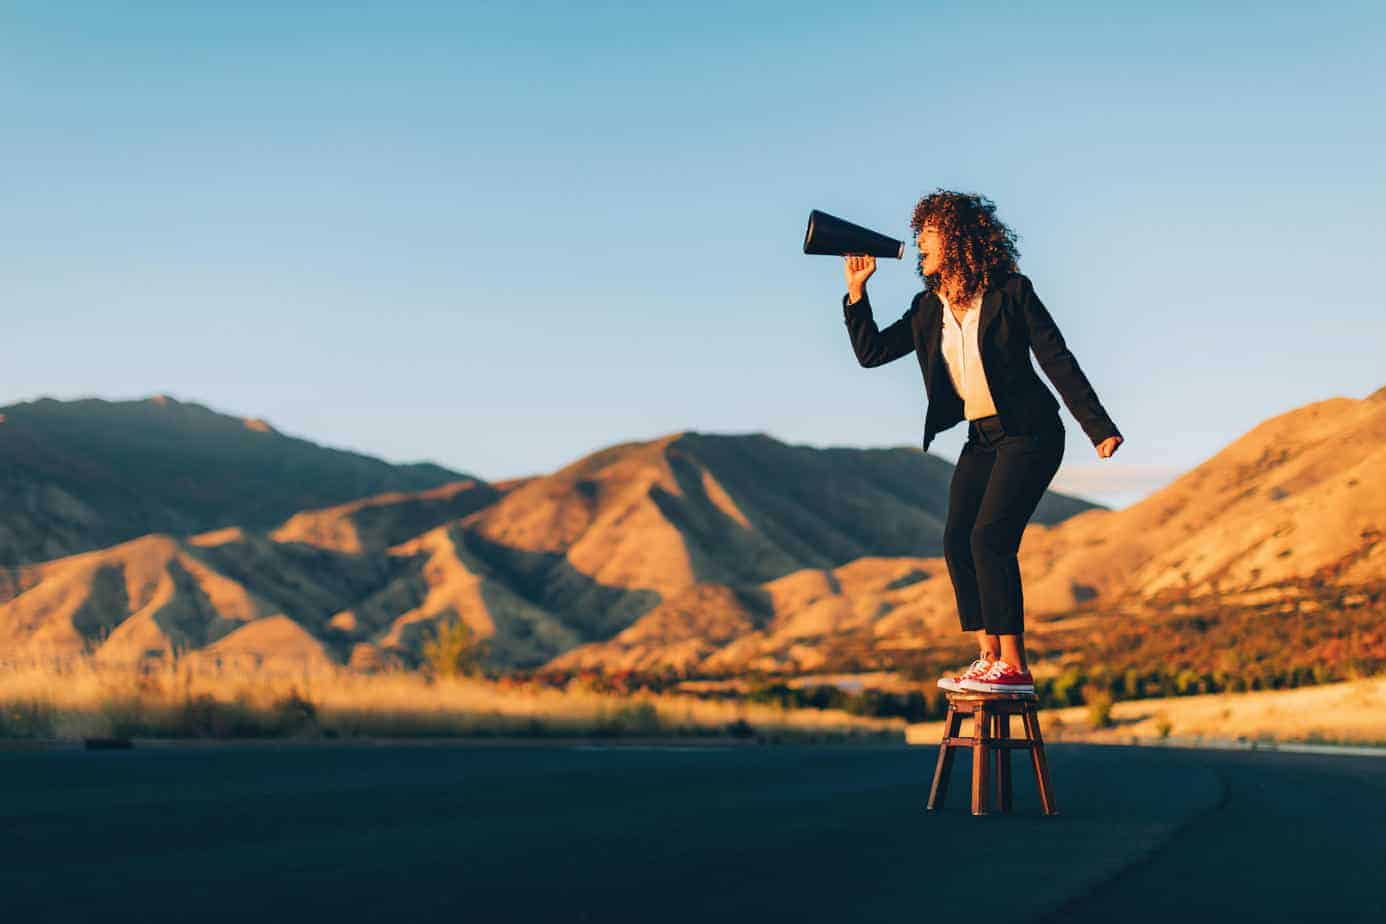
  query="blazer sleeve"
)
[
  {"x": 875, "y": 347},
  {"x": 1058, "y": 363}
]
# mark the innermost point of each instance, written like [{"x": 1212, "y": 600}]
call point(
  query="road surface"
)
[{"x": 651, "y": 834}]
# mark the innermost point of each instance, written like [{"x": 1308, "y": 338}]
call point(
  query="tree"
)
[{"x": 453, "y": 650}]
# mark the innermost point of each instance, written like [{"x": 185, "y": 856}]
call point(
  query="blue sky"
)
[{"x": 500, "y": 240}]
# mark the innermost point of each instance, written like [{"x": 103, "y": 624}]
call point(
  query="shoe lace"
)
[
  {"x": 998, "y": 668},
  {"x": 977, "y": 668}
]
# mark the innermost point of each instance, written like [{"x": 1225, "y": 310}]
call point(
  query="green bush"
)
[
  {"x": 453, "y": 650},
  {"x": 1066, "y": 689},
  {"x": 638, "y": 719},
  {"x": 1099, "y": 701}
]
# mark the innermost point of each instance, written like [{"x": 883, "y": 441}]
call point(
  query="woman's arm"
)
[
  {"x": 1062, "y": 368},
  {"x": 875, "y": 347}
]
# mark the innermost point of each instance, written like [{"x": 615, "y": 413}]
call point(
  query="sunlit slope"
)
[
  {"x": 374, "y": 524},
  {"x": 690, "y": 508},
  {"x": 159, "y": 594},
  {"x": 800, "y": 622},
  {"x": 1302, "y": 494}
]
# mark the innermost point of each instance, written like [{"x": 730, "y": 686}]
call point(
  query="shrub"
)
[
  {"x": 205, "y": 716},
  {"x": 741, "y": 729},
  {"x": 638, "y": 719},
  {"x": 294, "y": 712},
  {"x": 1067, "y": 688},
  {"x": 1099, "y": 701},
  {"x": 454, "y": 650}
]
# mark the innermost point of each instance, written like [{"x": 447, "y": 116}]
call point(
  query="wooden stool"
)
[{"x": 991, "y": 738}]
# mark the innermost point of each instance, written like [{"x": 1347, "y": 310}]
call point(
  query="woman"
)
[{"x": 972, "y": 329}]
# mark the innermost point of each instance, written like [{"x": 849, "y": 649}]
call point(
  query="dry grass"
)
[
  {"x": 1352, "y": 713},
  {"x": 84, "y": 698}
]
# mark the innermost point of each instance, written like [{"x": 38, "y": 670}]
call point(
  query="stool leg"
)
[
  {"x": 1003, "y": 762},
  {"x": 981, "y": 760},
  {"x": 1046, "y": 791},
  {"x": 996, "y": 760},
  {"x": 952, "y": 724}
]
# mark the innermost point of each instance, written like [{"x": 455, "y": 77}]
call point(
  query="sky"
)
[{"x": 500, "y": 239}]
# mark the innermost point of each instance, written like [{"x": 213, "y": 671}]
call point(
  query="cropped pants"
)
[{"x": 997, "y": 484}]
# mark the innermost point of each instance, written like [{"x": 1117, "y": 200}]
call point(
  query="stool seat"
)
[{"x": 991, "y": 745}]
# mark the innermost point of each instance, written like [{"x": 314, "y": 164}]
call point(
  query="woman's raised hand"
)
[{"x": 857, "y": 269}]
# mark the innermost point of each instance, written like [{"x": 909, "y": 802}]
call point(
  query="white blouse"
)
[{"x": 964, "y": 361}]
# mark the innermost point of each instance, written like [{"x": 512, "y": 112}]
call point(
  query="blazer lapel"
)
[
  {"x": 932, "y": 318},
  {"x": 991, "y": 303}
]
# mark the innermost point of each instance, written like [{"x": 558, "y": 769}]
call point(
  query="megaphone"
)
[{"x": 832, "y": 236}]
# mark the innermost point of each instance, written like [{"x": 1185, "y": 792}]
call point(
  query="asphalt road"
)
[{"x": 626, "y": 834}]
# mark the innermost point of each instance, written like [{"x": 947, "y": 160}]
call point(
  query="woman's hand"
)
[
  {"x": 1108, "y": 446},
  {"x": 857, "y": 269}
]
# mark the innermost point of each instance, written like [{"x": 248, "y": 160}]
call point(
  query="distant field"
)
[{"x": 1336, "y": 713}]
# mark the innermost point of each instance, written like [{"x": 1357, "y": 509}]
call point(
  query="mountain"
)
[
  {"x": 373, "y": 524},
  {"x": 809, "y": 620},
  {"x": 81, "y": 475},
  {"x": 1297, "y": 503},
  {"x": 701, "y": 554},
  {"x": 654, "y": 530},
  {"x": 160, "y": 594},
  {"x": 231, "y": 591},
  {"x": 676, "y": 528},
  {"x": 622, "y": 528},
  {"x": 1302, "y": 495}
]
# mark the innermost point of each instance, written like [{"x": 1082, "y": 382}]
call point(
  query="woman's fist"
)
[
  {"x": 1108, "y": 446},
  {"x": 857, "y": 269}
]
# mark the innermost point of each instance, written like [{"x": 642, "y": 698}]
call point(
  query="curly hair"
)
[{"x": 980, "y": 250}]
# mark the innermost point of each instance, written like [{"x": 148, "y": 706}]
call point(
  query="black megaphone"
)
[{"x": 831, "y": 236}]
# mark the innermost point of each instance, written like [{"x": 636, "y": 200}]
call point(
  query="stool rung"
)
[{"x": 987, "y": 742}]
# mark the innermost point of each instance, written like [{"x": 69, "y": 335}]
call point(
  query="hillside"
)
[
  {"x": 1298, "y": 500},
  {"x": 373, "y": 524},
  {"x": 537, "y": 566},
  {"x": 81, "y": 475},
  {"x": 624, "y": 528},
  {"x": 717, "y": 555},
  {"x": 1302, "y": 494}
]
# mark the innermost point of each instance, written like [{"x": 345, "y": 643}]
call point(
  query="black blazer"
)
[{"x": 1013, "y": 321}]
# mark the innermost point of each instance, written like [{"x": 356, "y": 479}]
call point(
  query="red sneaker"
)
[
  {"x": 1001, "y": 678},
  {"x": 974, "y": 670}
]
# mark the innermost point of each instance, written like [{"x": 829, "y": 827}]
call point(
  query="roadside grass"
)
[{"x": 75, "y": 698}]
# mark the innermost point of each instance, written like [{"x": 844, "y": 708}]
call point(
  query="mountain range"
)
[{"x": 703, "y": 554}]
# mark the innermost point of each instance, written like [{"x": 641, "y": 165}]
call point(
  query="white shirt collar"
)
[{"x": 972, "y": 311}]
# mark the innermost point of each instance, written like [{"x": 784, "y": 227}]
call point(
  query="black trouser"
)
[{"x": 997, "y": 484}]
